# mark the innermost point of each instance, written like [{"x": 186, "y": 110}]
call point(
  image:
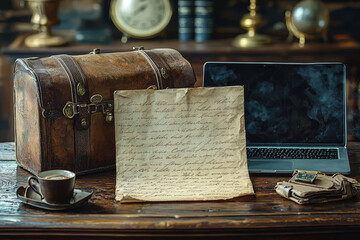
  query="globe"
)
[{"x": 310, "y": 17}]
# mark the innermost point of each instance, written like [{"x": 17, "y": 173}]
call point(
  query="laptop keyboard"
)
[{"x": 292, "y": 153}]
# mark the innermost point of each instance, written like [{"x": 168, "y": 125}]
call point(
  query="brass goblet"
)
[{"x": 43, "y": 18}]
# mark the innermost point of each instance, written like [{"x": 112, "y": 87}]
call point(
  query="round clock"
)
[{"x": 141, "y": 18}]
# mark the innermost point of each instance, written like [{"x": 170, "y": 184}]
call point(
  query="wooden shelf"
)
[
  {"x": 345, "y": 47},
  {"x": 344, "y": 50}
]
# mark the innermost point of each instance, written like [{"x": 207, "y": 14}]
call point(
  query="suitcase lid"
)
[{"x": 100, "y": 75}]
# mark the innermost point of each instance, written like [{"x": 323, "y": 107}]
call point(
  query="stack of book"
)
[
  {"x": 195, "y": 19},
  {"x": 186, "y": 19}
]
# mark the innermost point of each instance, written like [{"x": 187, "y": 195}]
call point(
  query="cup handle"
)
[{"x": 32, "y": 187}]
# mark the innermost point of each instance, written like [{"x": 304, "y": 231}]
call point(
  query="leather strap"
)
[
  {"x": 165, "y": 71},
  {"x": 161, "y": 69},
  {"x": 80, "y": 94}
]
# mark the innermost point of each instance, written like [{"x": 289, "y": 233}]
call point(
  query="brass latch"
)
[
  {"x": 71, "y": 109},
  {"x": 68, "y": 110},
  {"x": 153, "y": 87},
  {"x": 138, "y": 48},
  {"x": 95, "y": 51},
  {"x": 80, "y": 89},
  {"x": 164, "y": 73},
  {"x": 107, "y": 110}
]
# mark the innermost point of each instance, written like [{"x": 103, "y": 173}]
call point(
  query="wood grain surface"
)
[{"x": 264, "y": 215}]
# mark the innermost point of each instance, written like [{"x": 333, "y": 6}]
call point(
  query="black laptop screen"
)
[{"x": 287, "y": 104}]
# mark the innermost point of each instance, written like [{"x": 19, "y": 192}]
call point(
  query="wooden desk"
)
[{"x": 266, "y": 215}]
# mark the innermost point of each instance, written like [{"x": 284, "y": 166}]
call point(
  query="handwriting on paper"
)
[{"x": 181, "y": 144}]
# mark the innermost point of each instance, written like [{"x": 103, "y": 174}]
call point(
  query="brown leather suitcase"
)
[{"x": 63, "y": 104}]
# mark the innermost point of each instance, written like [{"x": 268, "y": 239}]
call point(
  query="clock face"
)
[{"x": 141, "y": 18}]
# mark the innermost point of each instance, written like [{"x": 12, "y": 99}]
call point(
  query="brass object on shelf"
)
[
  {"x": 251, "y": 22},
  {"x": 43, "y": 18},
  {"x": 308, "y": 20}
]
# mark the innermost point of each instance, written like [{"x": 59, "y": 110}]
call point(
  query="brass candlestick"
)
[
  {"x": 251, "y": 22},
  {"x": 43, "y": 18}
]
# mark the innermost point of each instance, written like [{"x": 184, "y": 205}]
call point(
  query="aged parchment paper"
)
[{"x": 180, "y": 144}]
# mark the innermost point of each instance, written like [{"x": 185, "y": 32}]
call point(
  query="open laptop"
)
[{"x": 295, "y": 114}]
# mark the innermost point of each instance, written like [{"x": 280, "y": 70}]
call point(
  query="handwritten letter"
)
[{"x": 181, "y": 144}]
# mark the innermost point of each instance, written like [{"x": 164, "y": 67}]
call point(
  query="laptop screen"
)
[{"x": 287, "y": 104}]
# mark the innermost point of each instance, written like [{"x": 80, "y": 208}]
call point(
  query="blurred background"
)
[{"x": 201, "y": 30}]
